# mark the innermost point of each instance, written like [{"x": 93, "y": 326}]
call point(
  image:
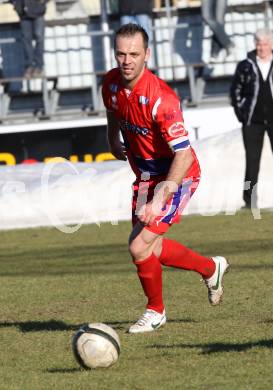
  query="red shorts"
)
[{"x": 143, "y": 192}]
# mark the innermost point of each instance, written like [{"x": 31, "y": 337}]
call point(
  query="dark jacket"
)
[
  {"x": 245, "y": 88},
  {"x": 135, "y": 7},
  {"x": 30, "y": 8}
]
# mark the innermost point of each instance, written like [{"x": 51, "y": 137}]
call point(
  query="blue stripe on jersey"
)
[
  {"x": 181, "y": 145},
  {"x": 159, "y": 166}
]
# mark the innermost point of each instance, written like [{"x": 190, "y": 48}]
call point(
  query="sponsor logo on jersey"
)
[
  {"x": 143, "y": 100},
  {"x": 135, "y": 129},
  {"x": 114, "y": 88},
  {"x": 176, "y": 129}
]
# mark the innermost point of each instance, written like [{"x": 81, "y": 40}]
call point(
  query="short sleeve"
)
[
  {"x": 105, "y": 94},
  {"x": 109, "y": 86},
  {"x": 167, "y": 113}
]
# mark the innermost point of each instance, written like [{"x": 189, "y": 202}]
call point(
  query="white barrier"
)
[{"x": 64, "y": 194}]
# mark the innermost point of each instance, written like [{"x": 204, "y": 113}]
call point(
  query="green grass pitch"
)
[{"x": 53, "y": 282}]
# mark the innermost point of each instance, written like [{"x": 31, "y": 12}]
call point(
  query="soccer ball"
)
[{"x": 96, "y": 345}]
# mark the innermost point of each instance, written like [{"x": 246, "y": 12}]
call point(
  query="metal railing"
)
[{"x": 171, "y": 30}]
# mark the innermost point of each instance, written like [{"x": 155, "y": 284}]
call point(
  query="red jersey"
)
[{"x": 151, "y": 122}]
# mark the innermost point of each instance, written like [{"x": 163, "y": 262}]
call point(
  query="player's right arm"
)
[{"x": 115, "y": 145}]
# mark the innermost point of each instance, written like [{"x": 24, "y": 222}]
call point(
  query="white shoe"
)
[
  {"x": 148, "y": 322},
  {"x": 214, "y": 283}
]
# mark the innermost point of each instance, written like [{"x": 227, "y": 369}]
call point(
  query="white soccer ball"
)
[{"x": 96, "y": 345}]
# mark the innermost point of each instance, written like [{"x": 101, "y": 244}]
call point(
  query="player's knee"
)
[{"x": 137, "y": 249}]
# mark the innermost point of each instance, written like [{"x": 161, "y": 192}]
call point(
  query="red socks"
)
[
  {"x": 178, "y": 256},
  {"x": 173, "y": 255},
  {"x": 150, "y": 274}
]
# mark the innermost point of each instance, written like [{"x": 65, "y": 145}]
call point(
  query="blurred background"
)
[
  {"x": 78, "y": 52},
  {"x": 61, "y": 114}
]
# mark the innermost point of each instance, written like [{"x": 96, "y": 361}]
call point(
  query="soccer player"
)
[{"x": 155, "y": 142}]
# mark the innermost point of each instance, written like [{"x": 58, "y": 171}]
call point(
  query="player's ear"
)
[{"x": 147, "y": 54}]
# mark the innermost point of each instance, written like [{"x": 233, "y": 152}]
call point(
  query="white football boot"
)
[
  {"x": 214, "y": 283},
  {"x": 148, "y": 322}
]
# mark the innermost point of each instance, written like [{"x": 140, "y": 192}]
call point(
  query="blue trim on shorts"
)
[{"x": 177, "y": 198}]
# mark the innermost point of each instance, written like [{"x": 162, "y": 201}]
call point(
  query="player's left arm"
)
[
  {"x": 181, "y": 163},
  {"x": 170, "y": 121}
]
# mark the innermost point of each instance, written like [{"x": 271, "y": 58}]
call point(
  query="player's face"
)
[
  {"x": 131, "y": 58},
  {"x": 264, "y": 48}
]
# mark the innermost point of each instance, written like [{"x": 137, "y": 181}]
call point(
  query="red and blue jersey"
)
[{"x": 151, "y": 122}]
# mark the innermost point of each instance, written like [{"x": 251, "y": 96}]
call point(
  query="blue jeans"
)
[
  {"x": 142, "y": 19},
  {"x": 33, "y": 30},
  {"x": 213, "y": 13}
]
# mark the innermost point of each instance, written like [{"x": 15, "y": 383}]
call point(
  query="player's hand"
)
[
  {"x": 148, "y": 213},
  {"x": 119, "y": 152}
]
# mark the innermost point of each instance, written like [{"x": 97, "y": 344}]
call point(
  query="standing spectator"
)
[
  {"x": 213, "y": 13},
  {"x": 31, "y": 14},
  {"x": 252, "y": 99},
  {"x": 156, "y": 144},
  {"x": 137, "y": 11}
]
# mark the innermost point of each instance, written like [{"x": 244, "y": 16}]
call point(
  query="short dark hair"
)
[{"x": 130, "y": 29}]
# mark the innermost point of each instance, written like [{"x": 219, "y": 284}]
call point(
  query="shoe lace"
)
[{"x": 145, "y": 318}]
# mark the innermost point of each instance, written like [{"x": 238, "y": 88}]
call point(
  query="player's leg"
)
[
  {"x": 144, "y": 247},
  {"x": 176, "y": 255},
  {"x": 144, "y": 241},
  {"x": 212, "y": 269}
]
